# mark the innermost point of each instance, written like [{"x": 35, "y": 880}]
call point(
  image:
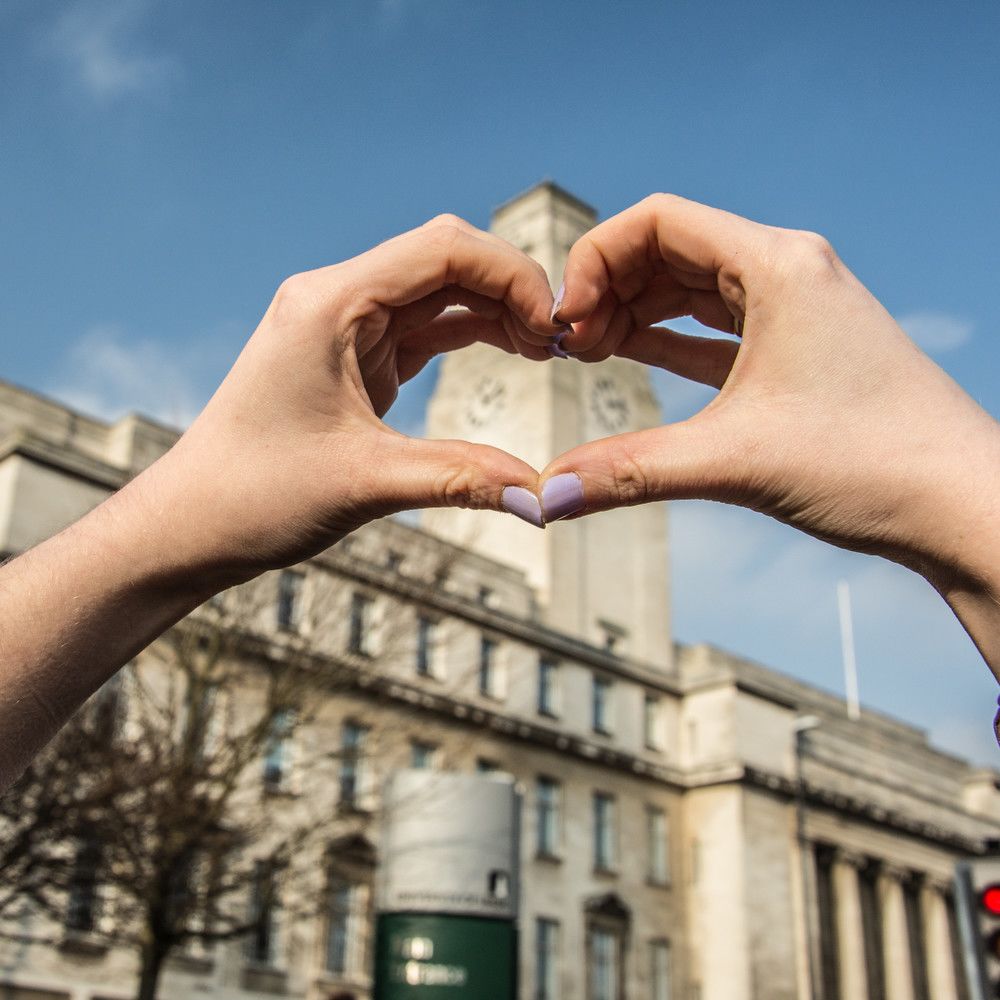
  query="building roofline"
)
[
  {"x": 556, "y": 189},
  {"x": 73, "y": 411}
]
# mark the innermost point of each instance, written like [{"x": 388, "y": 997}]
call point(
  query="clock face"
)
[
  {"x": 609, "y": 405},
  {"x": 488, "y": 399}
]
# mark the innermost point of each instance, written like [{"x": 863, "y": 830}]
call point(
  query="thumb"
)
[
  {"x": 688, "y": 460},
  {"x": 416, "y": 473}
]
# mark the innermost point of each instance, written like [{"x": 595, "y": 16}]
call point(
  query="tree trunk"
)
[{"x": 152, "y": 955}]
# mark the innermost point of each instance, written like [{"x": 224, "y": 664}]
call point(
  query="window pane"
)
[
  {"x": 81, "y": 909},
  {"x": 487, "y": 656},
  {"x": 338, "y": 926},
  {"x": 656, "y": 837},
  {"x": 659, "y": 972},
  {"x": 289, "y": 587},
  {"x": 422, "y": 755},
  {"x": 603, "y": 965},
  {"x": 360, "y": 620},
  {"x": 548, "y": 816},
  {"x": 351, "y": 761},
  {"x": 425, "y": 645},
  {"x": 601, "y": 694},
  {"x": 604, "y": 846},
  {"x": 546, "y": 686},
  {"x": 546, "y": 959},
  {"x": 260, "y": 943},
  {"x": 651, "y": 711},
  {"x": 277, "y": 752}
]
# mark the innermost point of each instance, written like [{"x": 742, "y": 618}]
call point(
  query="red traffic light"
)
[{"x": 989, "y": 899}]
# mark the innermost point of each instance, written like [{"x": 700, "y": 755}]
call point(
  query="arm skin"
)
[
  {"x": 289, "y": 456},
  {"x": 828, "y": 418}
]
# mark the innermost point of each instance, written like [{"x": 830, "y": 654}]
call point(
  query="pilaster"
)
[
  {"x": 940, "y": 961},
  {"x": 896, "y": 944},
  {"x": 850, "y": 936}
]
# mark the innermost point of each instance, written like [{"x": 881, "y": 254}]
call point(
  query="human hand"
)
[
  {"x": 828, "y": 417},
  {"x": 291, "y": 454}
]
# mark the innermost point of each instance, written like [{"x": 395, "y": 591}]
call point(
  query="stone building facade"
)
[{"x": 696, "y": 826}]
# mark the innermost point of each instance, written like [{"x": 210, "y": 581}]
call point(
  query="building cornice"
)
[{"x": 62, "y": 459}]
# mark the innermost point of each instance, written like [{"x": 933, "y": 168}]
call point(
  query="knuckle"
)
[
  {"x": 448, "y": 220},
  {"x": 806, "y": 252},
  {"x": 630, "y": 482},
  {"x": 660, "y": 201},
  {"x": 458, "y": 488},
  {"x": 291, "y": 297}
]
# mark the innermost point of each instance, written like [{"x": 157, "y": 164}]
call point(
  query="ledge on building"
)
[{"x": 264, "y": 979}]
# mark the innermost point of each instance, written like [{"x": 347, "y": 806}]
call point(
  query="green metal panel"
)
[{"x": 426, "y": 956}]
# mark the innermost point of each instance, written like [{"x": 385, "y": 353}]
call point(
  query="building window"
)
[
  {"x": 289, "y": 600},
  {"x": 486, "y": 766},
  {"x": 657, "y": 846},
  {"x": 600, "y": 710},
  {"x": 340, "y": 897},
  {"x": 394, "y": 561},
  {"x": 352, "y": 762},
  {"x": 546, "y": 959},
  {"x": 548, "y": 672},
  {"x": 260, "y": 943},
  {"x": 278, "y": 753},
  {"x": 549, "y": 819},
  {"x": 81, "y": 907},
  {"x": 487, "y": 667},
  {"x": 651, "y": 722},
  {"x": 659, "y": 970},
  {"x": 486, "y": 597},
  {"x": 359, "y": 639},
  {"x": 604, "y": 970},
  {"x": 426, "y": 639},
  {"x": 604, "y": 832},
  {"x": 422, "y": 755}
]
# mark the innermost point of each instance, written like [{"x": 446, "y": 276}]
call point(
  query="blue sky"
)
[{"x": 164, "y": 166}]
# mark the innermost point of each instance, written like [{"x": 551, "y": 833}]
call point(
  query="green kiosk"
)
[{"x": 448, "y": 887}]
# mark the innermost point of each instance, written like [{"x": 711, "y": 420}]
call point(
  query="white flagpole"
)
[{"x": 847, "y": 648}]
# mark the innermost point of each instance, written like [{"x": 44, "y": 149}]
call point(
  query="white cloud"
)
[
  {"x": 98, "y": 44},
  {"x": 107, "y": 374},
  {"x": 936, "y": 332}
]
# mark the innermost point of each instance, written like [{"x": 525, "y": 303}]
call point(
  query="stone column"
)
[
  {"x": 850, "y": 933},
  {"x": 895, "y": 940},
  {"x": 940, "y": 961}
]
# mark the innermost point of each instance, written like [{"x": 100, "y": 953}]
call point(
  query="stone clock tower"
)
[{"x": 603, "y": 578}]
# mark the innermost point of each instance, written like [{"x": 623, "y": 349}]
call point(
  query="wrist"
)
[
  {"x": 163, "y": 528},
  {"x": 958, "y": 547}
]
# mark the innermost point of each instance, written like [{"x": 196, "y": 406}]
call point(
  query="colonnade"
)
[{"x": 904, "y": 968}]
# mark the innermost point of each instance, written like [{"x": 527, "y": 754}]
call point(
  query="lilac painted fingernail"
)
[
  {"x": 522, "y": 503},
  {"x": 557, "y": 305},
  {"x": 561, "y": 496},
  {"x": 556, "y": 348}
]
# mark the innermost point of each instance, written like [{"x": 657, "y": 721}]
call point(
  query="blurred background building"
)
[{"x": 696, "y": 826}]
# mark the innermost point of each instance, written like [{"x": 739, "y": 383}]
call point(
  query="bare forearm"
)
[{"x": 79, "y": 606}]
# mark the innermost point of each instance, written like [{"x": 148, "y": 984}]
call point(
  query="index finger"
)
[
  {"x": 445, "y": 252},
  {"x": 662, "y": 228}
]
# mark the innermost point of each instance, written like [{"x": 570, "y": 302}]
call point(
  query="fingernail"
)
[
  {"x": 557, "y": 305},
  {"x": 561, "y": 496},
  {"x": 522, "y": 503},
  {"x": 556, "y": 348}
]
